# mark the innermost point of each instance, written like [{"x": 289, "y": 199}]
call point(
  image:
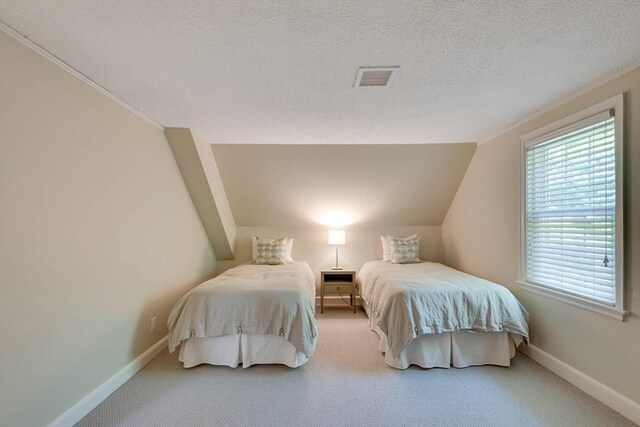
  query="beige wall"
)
[
  {"x": 310, "y": 244},
  {"x": 302, "y": 185},
  {"x": 480, "y": 236},
  {"x": 98, "y": 234}
]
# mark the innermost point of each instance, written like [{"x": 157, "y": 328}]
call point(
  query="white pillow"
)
[
  {"x": 254, "y": 247},
  {"x": 287, "y": 248},
  {"x": 386, "y": 255},
  {"x": 386, "y": 251}
]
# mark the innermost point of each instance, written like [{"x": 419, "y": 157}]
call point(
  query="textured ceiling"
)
[
  {"x": 282, "y": 71},
  {"x": 338, "y": 185}
]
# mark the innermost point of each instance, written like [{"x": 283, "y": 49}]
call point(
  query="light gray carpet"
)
[{"x": 346, "y": 382}]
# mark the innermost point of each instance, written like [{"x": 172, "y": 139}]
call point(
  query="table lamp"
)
[{"x": 336, "y": 237}]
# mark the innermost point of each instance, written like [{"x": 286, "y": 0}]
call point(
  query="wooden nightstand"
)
[{"x": 336, "y": 282}]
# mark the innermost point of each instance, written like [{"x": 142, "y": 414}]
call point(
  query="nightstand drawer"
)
[{"x": 338, "y": 288}]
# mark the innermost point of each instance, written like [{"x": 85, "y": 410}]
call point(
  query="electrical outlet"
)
[{"x": 154, "y": 323}]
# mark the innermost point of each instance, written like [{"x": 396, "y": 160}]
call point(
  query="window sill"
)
[{"x": 575, "y": 301}]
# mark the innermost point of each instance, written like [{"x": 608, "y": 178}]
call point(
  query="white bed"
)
[
  {"x": 251, "y": 314},
  {"x": 454, "y": 319}
]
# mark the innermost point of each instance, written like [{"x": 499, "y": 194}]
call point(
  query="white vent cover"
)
[{"x": 375, "y": 76}]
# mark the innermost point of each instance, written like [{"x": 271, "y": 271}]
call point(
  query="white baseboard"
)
[
  {"x": 104, "y": 390},
  {"x": 595, "y": 389}
]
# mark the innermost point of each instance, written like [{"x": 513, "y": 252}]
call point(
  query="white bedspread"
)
[
  {"x": 409, "y": 300},
  {"x": 250, "y": 299}
]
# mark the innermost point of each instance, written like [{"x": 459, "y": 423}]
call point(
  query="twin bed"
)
[
  {"x": 251, "y": 314},
  {"x": 430, "y": 315},
  {"x": 425, "y": 313}
]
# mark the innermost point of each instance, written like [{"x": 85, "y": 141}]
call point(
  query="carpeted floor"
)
[{"x": 346, "y": 382}]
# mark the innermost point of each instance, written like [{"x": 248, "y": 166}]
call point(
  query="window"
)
[{"x": 571, "y": 209}]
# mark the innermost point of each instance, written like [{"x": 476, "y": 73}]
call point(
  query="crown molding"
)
[
  {"x": 60, "y": 63},
  {"x": 563, "y": 100}
]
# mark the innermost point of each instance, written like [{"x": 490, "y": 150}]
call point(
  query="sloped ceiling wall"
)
[{"x": 338, "y": 185}]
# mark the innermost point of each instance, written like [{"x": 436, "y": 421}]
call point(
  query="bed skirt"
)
[
  {"x": 459, "y": 349},
  {"x": 240, "y": 349}
]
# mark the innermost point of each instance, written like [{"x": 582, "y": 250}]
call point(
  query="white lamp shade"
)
[{"x": 336, "y": 237}]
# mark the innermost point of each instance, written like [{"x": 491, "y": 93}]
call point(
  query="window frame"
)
[{"x": 543, "y": 134}]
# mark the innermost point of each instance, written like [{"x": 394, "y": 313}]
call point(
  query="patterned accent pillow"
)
[
  {"x": 254, "y": 248},
  {"x": 404, "y": 250},
  {"x": 386, "y": 252},
  {"x": 271, "y": 251}
]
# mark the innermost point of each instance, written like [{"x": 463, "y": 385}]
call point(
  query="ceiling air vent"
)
[{"x": 375, "y": 76}]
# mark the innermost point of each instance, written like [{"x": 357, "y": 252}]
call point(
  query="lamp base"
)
[{"x": 336, "y": 268}]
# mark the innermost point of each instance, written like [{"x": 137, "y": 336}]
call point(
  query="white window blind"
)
[{"x": 570, "y": 210}]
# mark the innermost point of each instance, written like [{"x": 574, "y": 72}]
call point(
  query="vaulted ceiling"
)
[{"x": 272, "y": 72}]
